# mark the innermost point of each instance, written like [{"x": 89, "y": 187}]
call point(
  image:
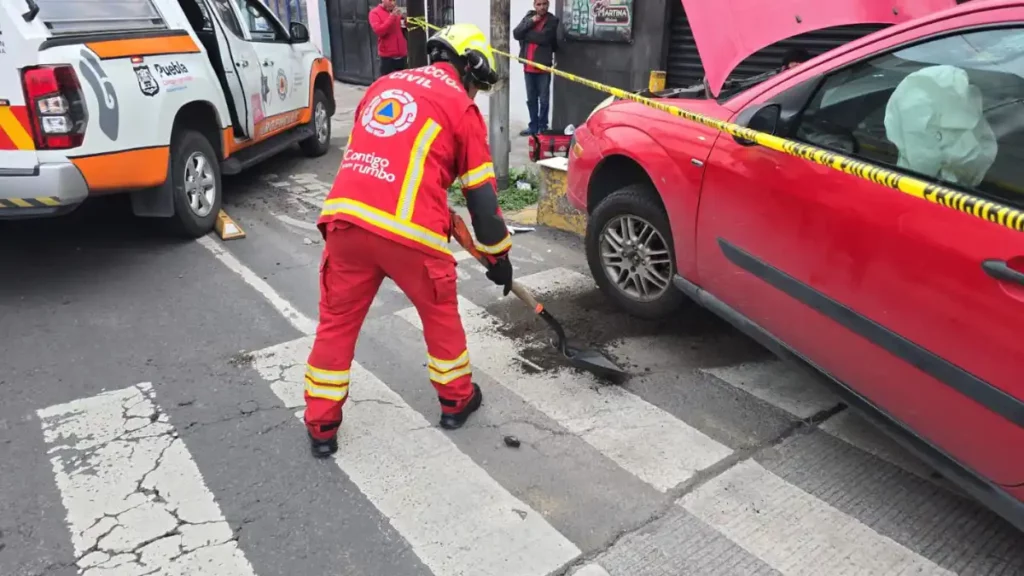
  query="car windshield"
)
[{"x": 733, "y": 87}]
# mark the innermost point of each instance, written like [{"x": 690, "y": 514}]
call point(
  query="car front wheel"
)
[{"x": 630, "y": 253}]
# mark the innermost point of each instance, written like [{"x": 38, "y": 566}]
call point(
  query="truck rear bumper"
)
[{"x": 46, "y": 190}]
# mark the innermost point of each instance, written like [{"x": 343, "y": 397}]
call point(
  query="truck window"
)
[{"x": 88, "y": 16}]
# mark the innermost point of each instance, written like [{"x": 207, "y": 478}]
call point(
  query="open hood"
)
[{"x": 727, "y": 31}]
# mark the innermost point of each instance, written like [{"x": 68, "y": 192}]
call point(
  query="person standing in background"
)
[
  {"x": 538, "y": 35},
  {"x": 388, "y": 23}
]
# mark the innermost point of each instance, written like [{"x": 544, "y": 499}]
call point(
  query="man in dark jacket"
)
[{"x": 538, "y": 35}]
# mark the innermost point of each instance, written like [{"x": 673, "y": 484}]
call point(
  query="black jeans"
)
[
  {"x": 538, "y": 95},
  {"x": 389, "y": 65}
]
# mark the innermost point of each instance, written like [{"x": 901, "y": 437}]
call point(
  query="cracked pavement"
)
[{"x": 136, "y": 501}]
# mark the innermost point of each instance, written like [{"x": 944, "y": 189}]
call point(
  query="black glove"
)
[{"x": 501, "y": 273}]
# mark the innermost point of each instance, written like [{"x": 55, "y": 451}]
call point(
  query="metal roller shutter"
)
[{"x": 684, "y": 68}]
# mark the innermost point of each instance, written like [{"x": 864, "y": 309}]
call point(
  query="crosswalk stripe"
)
[
  {"x": 135, "y": 498},
  {"x": 795, "y": 532},
  {"x": 457, "y": 518},
  {"x": 643, "y": 439},
  {"x": 778, "y": 384},
  {"x": 861, "y": 434}
]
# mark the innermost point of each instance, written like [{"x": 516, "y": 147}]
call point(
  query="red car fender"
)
[{"x": 679, "y": 191}]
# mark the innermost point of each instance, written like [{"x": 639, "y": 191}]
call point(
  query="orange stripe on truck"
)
[
  {"x": 15, "y": 133},
  {"x": 175, "y": 43},
  {"x": 319, "y": 65},
  {"x": 139, "y": 168}
]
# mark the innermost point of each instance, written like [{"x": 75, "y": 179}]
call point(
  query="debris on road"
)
[
  {"x": 513, "y": 230},
  {"x": 512, "y": 442}
]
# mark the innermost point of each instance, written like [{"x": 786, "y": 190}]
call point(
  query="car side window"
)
[
  {"x": 950, "y": 110},
  {"x": 227, "y": 16},
  {"x": 262, "y": 27}
]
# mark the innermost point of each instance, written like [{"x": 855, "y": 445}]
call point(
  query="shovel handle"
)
[{"x": 462, "y": 236}]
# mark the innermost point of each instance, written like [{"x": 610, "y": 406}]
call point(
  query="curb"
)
[{"x": 553, "y": 207}]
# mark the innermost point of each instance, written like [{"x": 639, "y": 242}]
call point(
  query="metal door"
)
[
  {"x": 353, "y": 45},
  {"x": 683, "y": 63}
]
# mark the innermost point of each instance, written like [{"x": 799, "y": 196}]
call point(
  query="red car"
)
[{"x": 914, "y": 311}]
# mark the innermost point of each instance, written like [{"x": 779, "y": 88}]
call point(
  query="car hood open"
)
[{"x": 728, "y": 31}]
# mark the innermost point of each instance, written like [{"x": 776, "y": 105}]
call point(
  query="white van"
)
[{"x": 156, "y": 98}]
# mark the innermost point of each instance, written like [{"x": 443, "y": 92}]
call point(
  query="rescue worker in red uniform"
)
[{"x": 416, "y": 131}]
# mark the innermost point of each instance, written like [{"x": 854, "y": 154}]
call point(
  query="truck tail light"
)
[{"x": 54, "y": 100}]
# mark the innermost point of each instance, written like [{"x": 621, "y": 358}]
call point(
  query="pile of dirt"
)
[{"x": 590, "y": 320}]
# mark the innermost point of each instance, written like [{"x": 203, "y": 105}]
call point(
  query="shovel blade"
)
[{"x": 596, "y": 363}]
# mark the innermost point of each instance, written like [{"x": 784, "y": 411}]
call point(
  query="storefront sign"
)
[{"x": 598, "y": 20}]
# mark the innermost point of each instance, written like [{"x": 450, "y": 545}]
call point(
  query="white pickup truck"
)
[{"x": 155, "y": 98}]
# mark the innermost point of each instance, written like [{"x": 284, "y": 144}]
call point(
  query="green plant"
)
[{"x": 510, "y": 199}]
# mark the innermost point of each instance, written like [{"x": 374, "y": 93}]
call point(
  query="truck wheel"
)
[
  {"x": 630, "y": 253},
  {"x": 195, "y": 177},
  {"x": 320, "y": 141}
]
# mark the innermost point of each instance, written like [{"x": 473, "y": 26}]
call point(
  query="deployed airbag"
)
[{"x": 935, "y": 119}]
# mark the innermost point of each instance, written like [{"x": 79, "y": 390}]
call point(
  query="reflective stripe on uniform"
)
[
  {"x": 416, "y": 167},
  {"x": 446, "y": 371},
  {"x": 385, "y": 221},
  {"x": 477, "y": 176},
  {"x": 327, "y": 384},
  {"x": 498, "y": 248}
]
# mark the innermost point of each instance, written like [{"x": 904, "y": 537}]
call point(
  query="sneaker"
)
[
  {"x": 526, "y": 132},
  {"x": 456, "y": 420}
]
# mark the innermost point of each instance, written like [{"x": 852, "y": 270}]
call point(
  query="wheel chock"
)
[{"x": 226, "y": 228}]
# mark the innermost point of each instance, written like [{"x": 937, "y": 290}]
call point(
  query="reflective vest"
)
[{"x": 415, "y": 132}]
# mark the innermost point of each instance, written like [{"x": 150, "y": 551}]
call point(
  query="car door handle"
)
[{"x": 1000, "y": 270}]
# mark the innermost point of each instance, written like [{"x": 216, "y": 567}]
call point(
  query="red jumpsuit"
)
[{"x": 387, "y": 215}]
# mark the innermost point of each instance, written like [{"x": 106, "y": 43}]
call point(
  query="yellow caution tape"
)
[{"x": 987, "y": 210}]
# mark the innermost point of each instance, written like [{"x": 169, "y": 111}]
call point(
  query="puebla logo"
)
[
  {"x": 282, "y": 84},
  {"x": 390, "y": 112}
]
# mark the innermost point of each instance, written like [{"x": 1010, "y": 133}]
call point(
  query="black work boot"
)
[
  {"x": 456, "y": 420},
  {"x": 324, "y": 448}
]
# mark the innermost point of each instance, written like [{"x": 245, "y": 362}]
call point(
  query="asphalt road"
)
[{"x": 149, "y": 391}]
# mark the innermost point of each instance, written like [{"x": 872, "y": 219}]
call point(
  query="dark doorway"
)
[
  {"x": 441, "y": 12},
  {"x": 353, "y": 45}
]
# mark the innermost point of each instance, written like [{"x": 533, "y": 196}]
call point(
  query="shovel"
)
[{"x": 585, "y": 359}]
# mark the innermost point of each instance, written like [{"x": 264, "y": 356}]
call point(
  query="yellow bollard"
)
[{"x": 656, "y": 83}]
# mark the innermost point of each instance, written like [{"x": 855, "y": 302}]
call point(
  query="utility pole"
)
[
  {"x": 417, "y": 37},
  {"x": 500, "y": 141}
]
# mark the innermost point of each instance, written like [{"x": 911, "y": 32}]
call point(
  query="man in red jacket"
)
[
  {"x": 387, "y": 215},
  {"x": 387, "y": 21}
]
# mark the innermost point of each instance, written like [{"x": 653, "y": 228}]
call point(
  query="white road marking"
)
[
  {"x": 591, "y": 570},
  {"x": 136, "y": 501},
  {"x": 643, "y": 439},
  {"x": 457, "y": 518},
  {"x": 311, "y": 226},
  {"x": 300, "y": 321},
  {"x": 778, "y": 384},
  {"x": 853, "y": 429},
  {"x": 795, "y": 532},
  {"x": 557, "y": 281}
]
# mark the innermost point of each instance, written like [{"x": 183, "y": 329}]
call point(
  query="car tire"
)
[
  {"x": 318, "y": 144},
  {"x": 195, "y": 184},
  {"x": 633, "y": 206}
]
